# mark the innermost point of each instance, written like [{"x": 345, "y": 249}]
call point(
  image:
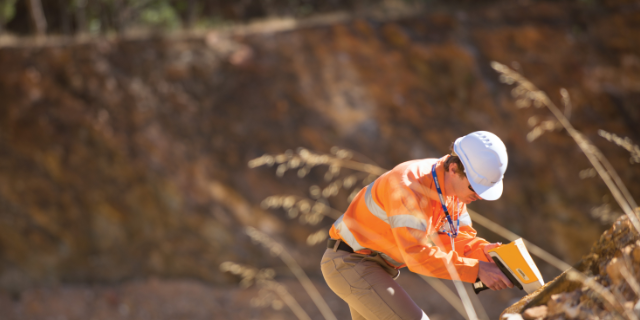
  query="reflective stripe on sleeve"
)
[
  {"x": 346, "y": 235},
  {"x": 373, "y": 207},
  {"x": 408, "y": 220}
]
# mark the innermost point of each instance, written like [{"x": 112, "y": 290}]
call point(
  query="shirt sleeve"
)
[
  {"x": 411, "y": 220},
  {"x": 466, "y": 243},
  {"x": 469, "y": 245}
]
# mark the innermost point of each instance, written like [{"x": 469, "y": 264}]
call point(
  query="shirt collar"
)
[
  {"x": 454, "y": 212},
  {"x": 440, "y": 173}
]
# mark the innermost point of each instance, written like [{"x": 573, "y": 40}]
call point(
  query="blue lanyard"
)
[{"x": 454, "y": 233}]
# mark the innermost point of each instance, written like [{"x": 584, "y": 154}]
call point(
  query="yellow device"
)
[{"x": 514, "y": 261}]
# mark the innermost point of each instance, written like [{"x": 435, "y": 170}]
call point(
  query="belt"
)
[{"x": 341, "y": 246}]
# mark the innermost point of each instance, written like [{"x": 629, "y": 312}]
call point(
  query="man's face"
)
[{"x": 462, "y": 188}]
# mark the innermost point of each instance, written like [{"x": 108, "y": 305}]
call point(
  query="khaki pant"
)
[{"x": 366, "y": 283}]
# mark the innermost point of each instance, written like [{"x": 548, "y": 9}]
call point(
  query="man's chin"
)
[{"x": 472, "y": 199}]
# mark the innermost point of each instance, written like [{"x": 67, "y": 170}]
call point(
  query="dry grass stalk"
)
[
  {"x": 263, "y": 278},
  {"x": 631, "y": 281},
  {"x": 446, "y": 293},
  {"x": 289, "y": 300},
  {"x": 526, "y": 93},
  {"x": 278, "y": 250},
  {"x": 540, "y": 128},
  {"x": 625, "y": 142},
  {"x": 309, "y": 211},
  {"x": 605, "y": 212},
  {"x": 588, "y": 173},
  {"x": 566, "y": 101},
  {"x": 317, "y": 237},
  {"x": 304, "y": 160}
]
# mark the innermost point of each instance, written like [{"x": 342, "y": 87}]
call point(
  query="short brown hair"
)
[{"x": 453, "y": 158}]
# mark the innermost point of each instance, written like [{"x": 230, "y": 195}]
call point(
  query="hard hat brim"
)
[{"x": 488, "y": 193}]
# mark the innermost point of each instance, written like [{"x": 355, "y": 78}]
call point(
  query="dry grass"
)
[
  {"x": 625, "y": 142},
  {"x": 278, "y": 250},
  {"x": 308, "y": 211},
  {"x": 528, "y": 94},
  {"x": 270, "y": 289}
]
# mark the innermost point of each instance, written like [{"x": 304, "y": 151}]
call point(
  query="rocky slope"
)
[
  {"x": 124, "y": 158},
  {"x": 609, "y": 289}
]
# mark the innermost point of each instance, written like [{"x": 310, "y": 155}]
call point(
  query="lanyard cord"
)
[{"x": 453, "y": 233}]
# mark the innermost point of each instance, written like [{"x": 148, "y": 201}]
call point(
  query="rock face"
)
[
  {"x": 609, "y": 287},
  {"x": 125, "y": 158}
]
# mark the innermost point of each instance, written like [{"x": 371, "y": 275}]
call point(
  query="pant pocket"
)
[{"x": 335, "y": 280}]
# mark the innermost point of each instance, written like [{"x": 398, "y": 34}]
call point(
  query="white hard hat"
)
[{"x": 484, "y": 158}]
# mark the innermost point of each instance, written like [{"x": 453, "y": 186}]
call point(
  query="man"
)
[{"x": 415, "y": 216}]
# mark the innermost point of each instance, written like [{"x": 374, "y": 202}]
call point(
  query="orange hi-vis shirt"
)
[{"x": 400, "y": 216}]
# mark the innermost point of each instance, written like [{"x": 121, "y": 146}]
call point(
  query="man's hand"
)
[
  {"x": 492, "y": 277},
  {"x": 489, "y": 247}
]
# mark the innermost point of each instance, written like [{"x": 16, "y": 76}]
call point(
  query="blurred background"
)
[{"x": 127, "y": 126}]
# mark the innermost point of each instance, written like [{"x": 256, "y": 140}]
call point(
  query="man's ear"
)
[
  {"x": 457, "y": 168},
  {"x": 452, "y": 167}
]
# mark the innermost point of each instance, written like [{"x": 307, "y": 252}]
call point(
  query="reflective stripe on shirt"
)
[
  {"x": 408, "y": 220},
  {"x": 465, "y": 220},
  {"x": 373, "y": 207},
  {"x": 346, "y": 235}
]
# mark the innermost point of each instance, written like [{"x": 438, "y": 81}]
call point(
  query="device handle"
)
[{"x": 479, "y": 286}]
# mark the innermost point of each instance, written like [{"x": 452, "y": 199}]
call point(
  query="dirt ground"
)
[{"x": 161, "y": 299}]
